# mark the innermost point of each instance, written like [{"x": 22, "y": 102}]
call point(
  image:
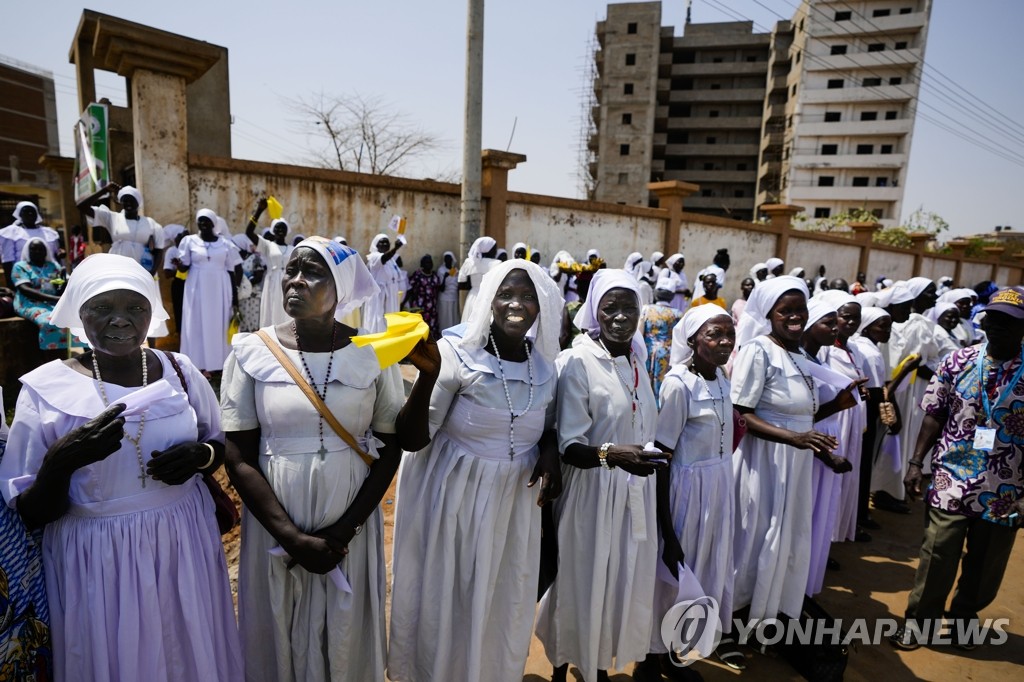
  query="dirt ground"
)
[{"x": 873, "y": 582}]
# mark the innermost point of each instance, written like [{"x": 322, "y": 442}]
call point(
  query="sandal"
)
[{"x": 728, "y": 653}]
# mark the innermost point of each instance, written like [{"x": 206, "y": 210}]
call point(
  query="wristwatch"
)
[{"x": 602, "y": 455}]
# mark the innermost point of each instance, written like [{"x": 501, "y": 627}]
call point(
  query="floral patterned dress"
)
[
  {"x": 422, "y": 297},
  {"x": 38, "y": 312},
  {"x": 658, "y": 320}
]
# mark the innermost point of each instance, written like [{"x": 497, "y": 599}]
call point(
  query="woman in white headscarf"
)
[
  {"x": 105, "y": 455},
  {"x": 448, "y": 294},
  {"x": 134, "y": 235},
  {"x": 479, "y": 261},
  {"x": 382, "y": 262},
  {"x": 674, "y": 279},
  {"x": 566, "y": 280},
  {"x": 758, "y": 273},
  {"x": 598, "y": 612},
  {"x": 214, "y": 268},
  {"x": 311, "y": 567},
  {"x": 965, "y": 332},
  {"x": 695, "y": 424},
  {"x": 874, "y": 330},
  {"x": 274, "y": 253},
  {"x": 774, "y": 390},
  {"x": 35, "y": 293},
  {"x": 775, "y": 267},
  {"x": 25, "y": 226},
  {"x": 467, "y": 533}
]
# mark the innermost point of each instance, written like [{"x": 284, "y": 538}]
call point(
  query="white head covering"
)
[
  {"x": 172, "y": 231},
  {"x": 23, "y": 205},
  {"x": 243, "y": 243},
  {"x": 352, "y": 279},
  {"x": 207, "y": 213},
  {"x": 797, "y": 272},
  {"x": 280, "y": 221},
  {"x": 773, "y": 263},
  {"x": 643, "y": 269},
  {"x": 954, "y": 295},
  {"x": 656, "y": 256},
  {"x": 917, "y": 285},
  {"x": 501, "y": 252},
  {"x": 818, "y": 308},
  {"x": 373, "y": 242},
  {"x": 671, "y": 260},
  {"x": 698, "y": 288},
  {"x": 896, "y": 294},
  {"x": 935, "y": 313},
  {"x": 24, "y": 249},
  {"x": 690, "y": 324},
  {"x": 867, "y": 298},
  {"x": 561, "y": 258},
  {"x": 100, "y": 273},
  {"x": 130, "y": 191},
  {"x": 593, "y": 252},
  {"x": 603, "y": 282},
  {"x": 754, "y": 270},
  {"x": 448, "y": 253},
  {"x": 754, "y": 320},
  {"x": 340, "y": 240},
  {"x": 837, "y": 298},
  {"x": 632, "y": 260},
  {"x": 481, "y": 246},
  {"x": 549, "y": 322},
  {"x": 220, "y": 227},
  {"x": 516, "y": 247},
  {"x": 870, "y": 314}
]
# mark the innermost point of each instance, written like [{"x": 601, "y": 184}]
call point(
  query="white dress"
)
[
  {"x": 389, "y": 279},
  {"x": 272, "y": 299},
  {"x": 474, "y": 274},
  {"x": 852, "y": 423},
  {"x": 773, "y": 483},
  {"x": 298, "y": 626},
  {"x": 136, "y": 578},
  {"x": 598, "y": 612},
  {"x": 826, "y": 495},
  {"x": 467, "y": 532},
  {"x": 702, "y": 491},
  {"x": 131, "y": 237},
  {"x": 207, "y": 306},
  {"x": 13, "y": 239},
  {"x": 448, "y": 301}
]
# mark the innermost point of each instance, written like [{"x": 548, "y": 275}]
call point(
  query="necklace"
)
[
  {"x": 137, "y": 440},
  {"x": 312, "y": 382},
  {"x": 714, "y": 408},
  {"x": 808, "y": 381},
  {"x": 636, "y": 377},
  {"x": 508, "y": 396}
]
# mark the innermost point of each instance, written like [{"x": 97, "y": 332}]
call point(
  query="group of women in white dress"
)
[{"x": 500, "y": 422}]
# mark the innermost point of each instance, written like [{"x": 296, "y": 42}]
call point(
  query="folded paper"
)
[{"x": 404, "y": 331}]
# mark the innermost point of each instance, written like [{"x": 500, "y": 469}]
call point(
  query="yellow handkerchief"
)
[
  {"x": 274, "y": 208},
  {"x": 405, "y": 330}
]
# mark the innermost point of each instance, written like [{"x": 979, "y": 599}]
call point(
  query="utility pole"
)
[{"x": 472, "y": 143}]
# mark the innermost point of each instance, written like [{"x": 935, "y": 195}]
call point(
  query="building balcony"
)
[
  {"x": 776, "y": 110},
  {"x": 881, "y": 93},
  {"x": 721, "y": 149},
  {"x": 692, "y": 123},
  {"x": 876, "y": 161},
  {"x": 902, "y": 126},
  {"x": 865, "y": 60},
  {"x": 869, "y": 26},
  {"x": 799, "y": 193},
  {"x": 720, "y": 69},
  {"x": 711, "y": 176},
  {"x": 779, "y": 82},
  {"x": 724, "y": 95}
]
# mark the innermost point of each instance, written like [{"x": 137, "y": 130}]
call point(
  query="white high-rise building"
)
[{"x": 854, "y": 76}]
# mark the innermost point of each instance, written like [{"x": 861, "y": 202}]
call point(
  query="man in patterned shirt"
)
[{"x": 974, "y": 431}]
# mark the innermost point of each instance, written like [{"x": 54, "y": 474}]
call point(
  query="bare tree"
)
[{"x": 362, "y": 134}]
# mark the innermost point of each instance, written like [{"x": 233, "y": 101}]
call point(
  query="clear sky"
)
[{"x": 412, "y": 53}]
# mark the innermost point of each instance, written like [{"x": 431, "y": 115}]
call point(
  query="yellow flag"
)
[
  {"x": 405, "y": 330},
  {"x": 274, "y": 208}
]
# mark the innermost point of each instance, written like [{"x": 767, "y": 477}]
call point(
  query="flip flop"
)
[{"x": 728, "y": 654}]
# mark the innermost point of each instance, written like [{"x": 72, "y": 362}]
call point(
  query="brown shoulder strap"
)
[
  {"x": 177, "y": 370},
  {"x": 311, "y": 395}
]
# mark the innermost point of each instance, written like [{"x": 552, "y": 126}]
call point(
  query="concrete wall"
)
[
  {"x": 972, "y": 273},
  {"x": 840, "y": 260},
  {"x": 746, "y": 247},
  {"x": 893, "y": 264}
]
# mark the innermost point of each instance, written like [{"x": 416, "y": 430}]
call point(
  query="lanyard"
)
[{"x": 982, "y": 375}]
